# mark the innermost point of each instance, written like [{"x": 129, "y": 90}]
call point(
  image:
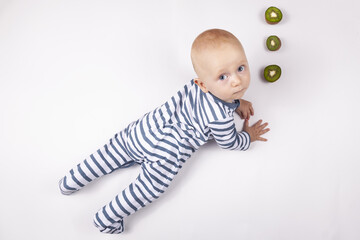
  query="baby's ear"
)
[{"x": 201, "y": 84}]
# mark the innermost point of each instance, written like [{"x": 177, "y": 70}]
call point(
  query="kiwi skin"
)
[
  {"x": 274, "y": 38},
  {"x": 272, "y": 68},
  {"x": 268, "y": 19}
]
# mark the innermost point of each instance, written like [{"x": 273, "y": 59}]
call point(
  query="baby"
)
[{"x": 162, "y": 140}]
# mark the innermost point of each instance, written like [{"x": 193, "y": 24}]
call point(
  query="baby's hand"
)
[
  {"x": 256, "y": 130},
  {"x": 245, "y": 109}
]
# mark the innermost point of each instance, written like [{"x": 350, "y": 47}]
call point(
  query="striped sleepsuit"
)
[{"x": 161, "y": 142}]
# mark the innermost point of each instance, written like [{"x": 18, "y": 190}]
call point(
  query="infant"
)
[{"x": 162, "y": 140}]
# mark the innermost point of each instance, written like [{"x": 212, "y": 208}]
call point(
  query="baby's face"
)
[{"x": 224, "y": 72}]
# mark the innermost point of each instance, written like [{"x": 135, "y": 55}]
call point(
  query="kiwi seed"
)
[
  {"x": 273, "y": 15},
  {"x": 272, "y": 73}
]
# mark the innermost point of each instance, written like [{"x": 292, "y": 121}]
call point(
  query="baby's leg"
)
[
  {"x": 105, "y": 160},
  {"x": 153, "y": 180}
]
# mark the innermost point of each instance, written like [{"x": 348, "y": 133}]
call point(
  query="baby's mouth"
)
[{"x": 239, "y": 91}]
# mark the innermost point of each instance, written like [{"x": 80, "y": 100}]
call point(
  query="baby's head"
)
[{"x": 220, "y": 63}]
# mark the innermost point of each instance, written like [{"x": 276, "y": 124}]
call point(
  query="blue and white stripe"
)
[{"x": 161, "y": 141}]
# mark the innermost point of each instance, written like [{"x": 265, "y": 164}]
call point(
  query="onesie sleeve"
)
[{"x": 226, "y": 136}]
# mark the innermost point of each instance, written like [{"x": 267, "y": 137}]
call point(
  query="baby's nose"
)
[{"x": 235, "y": 82}]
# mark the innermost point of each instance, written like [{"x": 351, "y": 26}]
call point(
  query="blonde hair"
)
[{"x": 210, "y": 39}]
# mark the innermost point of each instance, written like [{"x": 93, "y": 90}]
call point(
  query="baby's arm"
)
[
  {"x": 256, "y": 130},
  {"x": 226, "y": 136}
]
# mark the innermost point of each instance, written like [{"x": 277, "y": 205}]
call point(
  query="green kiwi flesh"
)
[
  {"x": 272, "y": 73},
  {"x": 273, "y": 15},
  {"x": 273, "y": 43}
]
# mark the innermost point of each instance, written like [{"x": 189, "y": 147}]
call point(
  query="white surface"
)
[{"x": 73, "y": 73}]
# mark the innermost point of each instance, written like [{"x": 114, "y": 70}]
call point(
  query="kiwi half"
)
[
  {"x": 273, "y": 15},
  {"x": 272, "y": 73},
  {"x": 273, "y": 43}
]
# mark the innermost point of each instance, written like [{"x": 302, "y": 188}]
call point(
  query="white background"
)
[{"x": 73, "y": 73}]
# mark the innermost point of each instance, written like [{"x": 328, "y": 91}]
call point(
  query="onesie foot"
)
[
  {"x": 115, "y": 228},
  {"x": 64, "y": 188}
]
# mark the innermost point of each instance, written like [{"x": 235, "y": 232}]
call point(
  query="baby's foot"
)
[
  {"x": 64, "y": 188},
  {"x": 114, "y": 228}
]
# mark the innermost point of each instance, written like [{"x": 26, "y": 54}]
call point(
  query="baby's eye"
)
[
  {"x": 223, "y": 77},
  {"x": 241, "y": 68}
]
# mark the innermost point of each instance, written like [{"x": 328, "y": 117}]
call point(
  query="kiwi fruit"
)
[
  {"x": 273, "y": 15},
  {"x": 272, "y": 73},
  {"x": 273, "y": 43}
]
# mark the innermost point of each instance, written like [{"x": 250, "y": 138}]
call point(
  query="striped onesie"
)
[{"x": 160, "y": 142}]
